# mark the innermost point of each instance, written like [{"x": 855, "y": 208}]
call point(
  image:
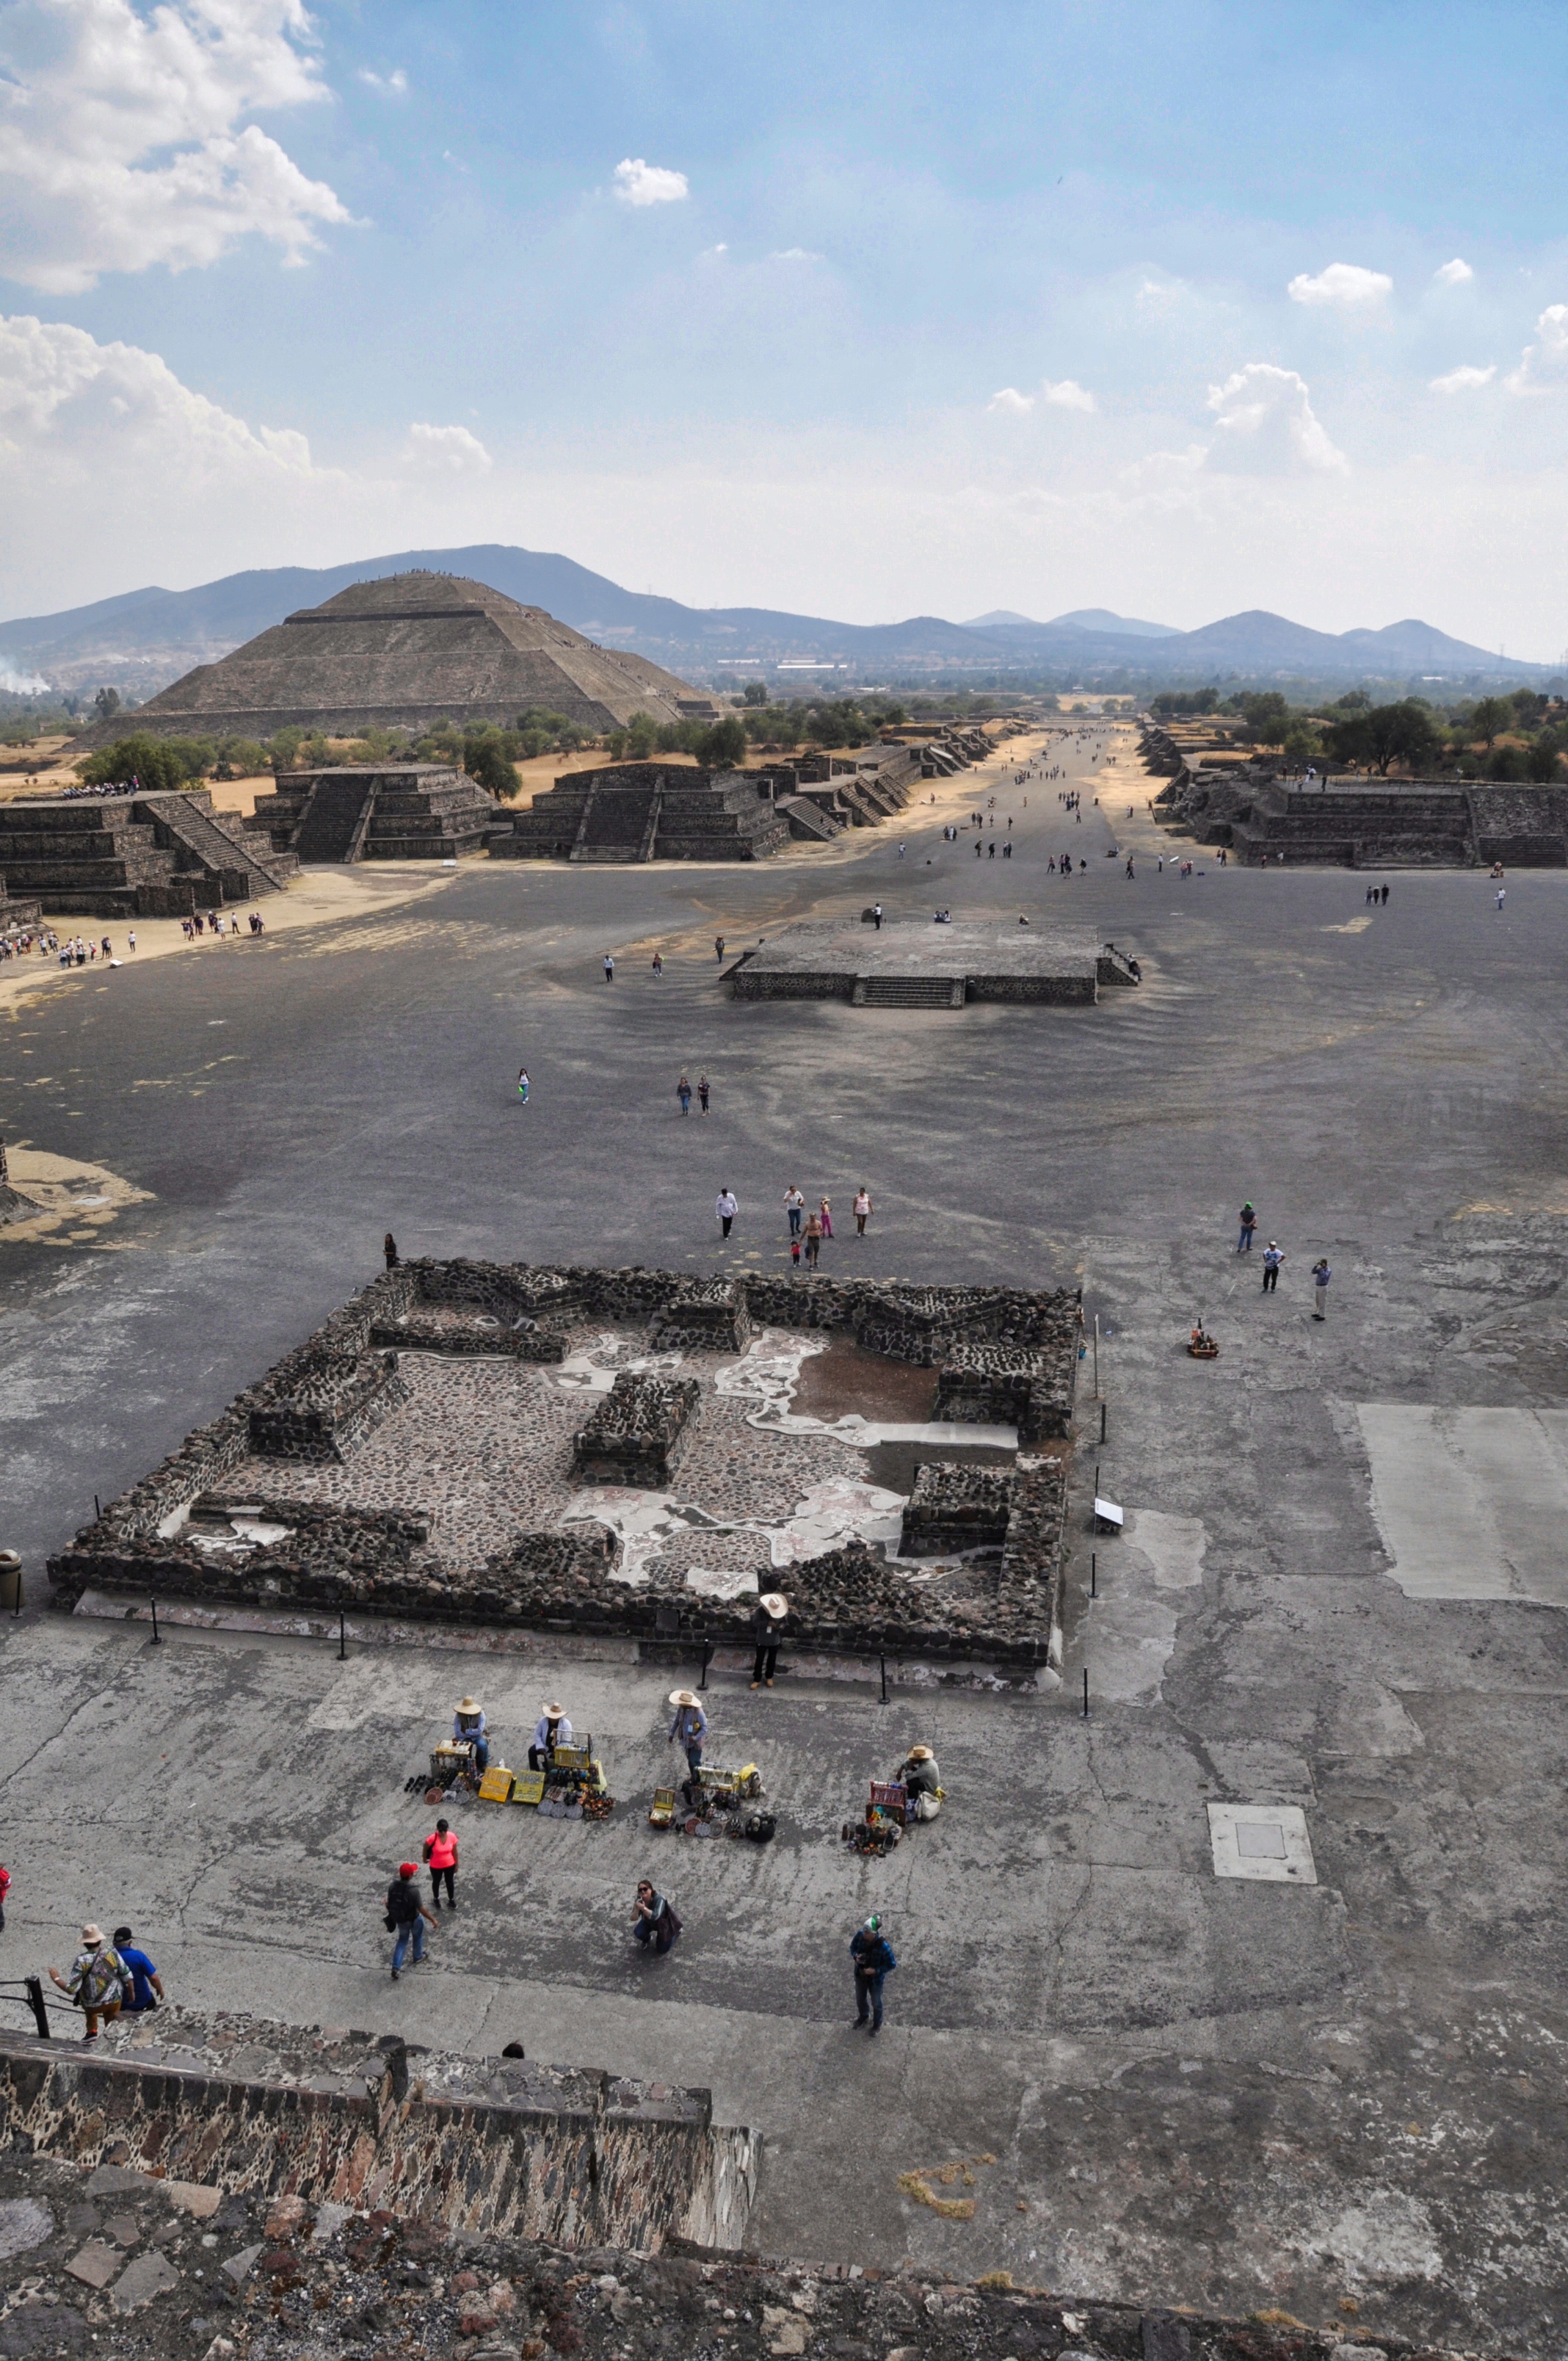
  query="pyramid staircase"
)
[{"x": 134, "y": 856}]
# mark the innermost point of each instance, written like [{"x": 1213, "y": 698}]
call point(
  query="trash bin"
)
[{"x": 10, "y": 1582}]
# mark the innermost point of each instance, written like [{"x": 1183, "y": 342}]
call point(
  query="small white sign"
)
[{"x": 1267, "y": 1840}]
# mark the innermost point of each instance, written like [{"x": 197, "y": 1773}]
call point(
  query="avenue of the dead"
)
[{"x": 1339, "y": 1594}]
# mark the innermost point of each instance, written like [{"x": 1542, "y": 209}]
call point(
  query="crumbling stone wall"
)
[
  {"x": 956, "y": 1507},
  {"x": 634, "y": 1432},
  {"x": 337, "y": 1400}
]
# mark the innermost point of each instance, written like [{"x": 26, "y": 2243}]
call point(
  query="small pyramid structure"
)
[{"x": 405, "y": 651}]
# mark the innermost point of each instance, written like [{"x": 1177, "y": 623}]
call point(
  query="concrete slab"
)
[
  {"x": 1263, "y": 1841},
  {"x": 1471, "y": 1503}
]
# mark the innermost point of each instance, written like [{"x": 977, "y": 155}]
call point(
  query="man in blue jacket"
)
[{"x": 873, "y": 1956}]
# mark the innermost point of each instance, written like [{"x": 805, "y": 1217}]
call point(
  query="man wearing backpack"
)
[
  {"x": 873, "y": 1956},
  {"x": 96, "y": 1982},
  {"x": 406, "y": 1917}
]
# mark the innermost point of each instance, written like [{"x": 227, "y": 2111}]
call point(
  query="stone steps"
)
[{"x": 908, "y": 992}]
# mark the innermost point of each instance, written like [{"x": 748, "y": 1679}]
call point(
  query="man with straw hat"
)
[
  {"x": 690, "y": 1726},
  {"x": 468, "y": 1730},
  {"x": 96, "y": 1982},
  {"x": 552, "y": 1730},
  {"x": 767, "y": 1630}
]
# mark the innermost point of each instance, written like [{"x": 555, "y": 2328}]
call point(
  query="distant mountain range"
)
[{"x": 144, "y": 638}]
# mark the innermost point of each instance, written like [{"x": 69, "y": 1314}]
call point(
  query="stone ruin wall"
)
[{"x": 1013, "y": 1358}]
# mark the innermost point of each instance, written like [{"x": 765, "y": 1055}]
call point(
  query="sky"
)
[{"x": 866, "y": 311}]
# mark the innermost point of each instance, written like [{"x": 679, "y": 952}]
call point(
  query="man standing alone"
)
[
  {"x": 726, "y": 1206},
  {"x": 1272, "y": 1258},
  {"x": 874, "y": 1962}
]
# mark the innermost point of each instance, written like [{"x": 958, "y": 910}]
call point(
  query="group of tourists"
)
[
  {"x": 108, "y": 1977},
  {"x": 1273, "y": 1257},
  {"x": 807, "y": 1231}
]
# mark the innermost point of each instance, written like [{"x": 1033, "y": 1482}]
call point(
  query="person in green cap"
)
[{"x": 874, "y": 1962}]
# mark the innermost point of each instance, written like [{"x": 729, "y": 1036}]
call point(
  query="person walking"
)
[
  {"x": 1248, "y": 1220},
  {"x": 726, "y": 1206},
  {"x": 390, "y": 1249},
  {"x": 768, "y": 1618},
  {"x": 1321, "y": 1275},
  {"x": 1272, "y": 1258},
  {"x": 4, "y": 1889},
  {"x": 95, "y": 1982},
  {"x": 610, "y": 967},
  {"x": 522, "y": 1084},
  {"x": 794, "y": 1206},
  {"x": 440, "y": 1851},
  {"x": 813, "y": 1240},
  {"x": 145, "y": 1985},
  {"x": 407, "y": 1917},
  {"x": 654, "y": 1918},
  {"x": 702, "y": 1091},
  {"x": 826, "y": 1211},
  {"x": 683, "y": 1093},
  {"x": 876, "y": 916},
  {"x": 658, "y": 962},
  {"x": 874, "y": 1962},
  {"x": 690, "y": 1726},
  {"x": 862, "y": 1208},
  {"x": 718, "y": 945},
  {"x": 1502, "y": 896}
]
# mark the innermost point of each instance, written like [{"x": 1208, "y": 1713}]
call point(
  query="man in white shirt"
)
[
  {"x": 794, "y": 1206},
  {"x": 727, "y": 1206}
]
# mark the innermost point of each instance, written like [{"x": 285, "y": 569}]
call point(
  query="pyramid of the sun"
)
[{"x": 405, "y": 651}]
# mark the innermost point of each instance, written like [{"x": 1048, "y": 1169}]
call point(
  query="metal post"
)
[
  {"x": 707, "y": 1659},
  {"x": 1086, "y": 1693},
  {"x": 1097, "y": 1356},
  {"x": 35, "y": 2003},
  {"x": 1103, "y": 1422},
  {"x": 155, "y": 1642},
  {"x": 97, "y": 1511},
  {"x": 342, "y": 1637},
  {"x": 1092, "y": 1592},
  {"x": 882, "y": 1662}
]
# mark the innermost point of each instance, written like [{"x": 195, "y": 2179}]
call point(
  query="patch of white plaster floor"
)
[
  {"x": 1126, "y": 1632},
  {"x": 829, "y": 1514},
  {"x": 1470, "y": 1503}
]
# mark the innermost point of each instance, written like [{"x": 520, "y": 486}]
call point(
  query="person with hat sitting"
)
[
  {"x": 690, "y": 1726},
  {"x": 468, "y": 1730},
  {"x": 552, "y": 1730},
  {"x": 96, "y": 1982},
  {"x": 921, "y": 1781},
  {"x": 406, "y": 1917},
  {"x": 768, "y": 1620}
]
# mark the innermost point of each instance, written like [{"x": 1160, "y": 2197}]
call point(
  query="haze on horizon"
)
[{"x": 1174, "y": 311}]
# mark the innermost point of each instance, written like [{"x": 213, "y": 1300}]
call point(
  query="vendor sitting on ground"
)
[
  {"x": 552, "y": 1730},
  {"x": 468, "y": 1730},
  {"x": 921, "y": 1781}
]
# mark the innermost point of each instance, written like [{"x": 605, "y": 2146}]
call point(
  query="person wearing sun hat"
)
[
  {"x": 468, "y": 1730},
  {"x": 768, "y": 1618},
  {"x": 552, "y": 1730},
  {"x": 96, "y": 1982},
  {"x": 690, "y": 1726},
  {"x": 921, "y": 1781}
]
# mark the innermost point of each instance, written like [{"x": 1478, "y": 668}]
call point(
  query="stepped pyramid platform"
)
[
  {"x": 915, "y": 964},
  {"x": 414, "y": 811},
  {"x": 1371, "y": 823},
  {"x": 136, "y": 856},
  {"x": 647, "y": 811},
  {"x": 403, "y": 652}
]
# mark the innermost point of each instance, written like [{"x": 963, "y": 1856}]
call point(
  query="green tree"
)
[
  {"x": 1543, "y": 763},
  {"x": 1354, "y": 700},
  {"x": 1267, "y": 716},
  {"x": 155, "y": 763},
  {"x": 107, "y": 704},
  {"x": 1405, "y": 732},
  {"x": 1489, "y": 717},
  {"x": 486, "y": 762},
  {"x": 723, "y": 748},
  {"x": 641, "y": 736},
  {"x": 755, "y": 693}
]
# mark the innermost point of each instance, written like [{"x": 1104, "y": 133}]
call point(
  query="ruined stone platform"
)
[
  {"x": 908, "y": 963},
  {"x": 626, "y": 1453}
]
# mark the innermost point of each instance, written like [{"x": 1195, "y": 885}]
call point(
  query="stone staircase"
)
[
  {"x": 907, "y": 991},
  {"x": 136, "y": 856},
  {"x": 645, "y": 811}
]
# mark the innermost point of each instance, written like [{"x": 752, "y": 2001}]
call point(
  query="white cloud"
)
[
  {"x": 712, "y": 253},
  {"x": 1344, "y": 285},
  {"x": 451, "y": 449},
  {"x": 1454, "y": 273},
  {"x": 62, "y": 395},
  {"x": 1545, "y": 363},
  {"x": 393, "y": 85},
  {"x": 1011, "y": 400},
  {"x": 794, "y": 254},
  {"x": 1464, "y": 378},
  {"x": 1160, "y": 295},
  {"x": 640, "y": 183},
  {"x": 1266, "y": 426},
  {"x": 1067, "y": 394},
  {"x": 123, "y": 143}
]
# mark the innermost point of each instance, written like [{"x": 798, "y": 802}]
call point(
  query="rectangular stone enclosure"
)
[
  {"x": 635, "y": 1453},
  {"x": 911, "y": 963}
]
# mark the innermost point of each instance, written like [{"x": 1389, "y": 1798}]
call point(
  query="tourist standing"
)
[
  {"x": 689, "y": 1727},
  {"x": 1272, "y": 1258},
  {"x": 726, "y": 1206},
  {"x": 1321, "y": 1275},
  {"x": 862, "y": 1208},
  {"x": 1248, "y": 1220},
  {"x": 522, "y": 1084},
  {"x": 702, "y": 1091},
  {"x": 4, "y": 1889},
  {"x": 718, "y": 945},
  {"x": 813, "y": 1240},
  {"x": 827, "y": 1219},
  {"x": 389, "y": 1248},
  {"x": 1502, "y": 896},
  {"x": 874, "y": 1962},
  {"x": 95, "y": 1982},
  {"x": 794, "y": 1206},
  {"x": 876, "y": 916},
  {"x": 439, "y": 1849},
  {"x": 610, "y": 967},
  {"x": 768, "y": 1620},
  {"x": 407, "y": 1917},
  {"x": 683, "y": 1093},
  {"x": 658, "y": 962},
  {"x": 146, "y": 1983}
]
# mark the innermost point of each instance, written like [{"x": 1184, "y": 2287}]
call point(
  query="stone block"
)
[{"x": 634, "y": 1432}]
